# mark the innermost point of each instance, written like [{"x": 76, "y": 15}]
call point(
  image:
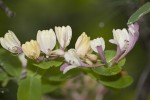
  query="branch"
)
[{"x": 6, "y": 9}]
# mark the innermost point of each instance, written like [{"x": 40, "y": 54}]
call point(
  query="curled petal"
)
[{"x": 66, "y": 69}]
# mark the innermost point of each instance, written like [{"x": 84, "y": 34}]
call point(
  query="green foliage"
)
[
  {"x": 48, "y": 64},
  {"x": 10, "y": 63},
  {"x": 139, "y": 13},
  {"x": 110, "y": 70},
  {"x": 107, "y": 71},
  {"x": 117, "y": 81},
  {"x": 30, "y": 88}
]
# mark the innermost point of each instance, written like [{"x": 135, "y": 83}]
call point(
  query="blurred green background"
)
[{"x": 95, "y": 17}]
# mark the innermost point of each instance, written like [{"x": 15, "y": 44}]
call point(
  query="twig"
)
[{"x": 6, "y": 9}]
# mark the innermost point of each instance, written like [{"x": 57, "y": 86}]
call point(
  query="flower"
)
[
  {"x": 98, "y": 45},
  {"x": 97, "y": 42},
  {"x": 64, "y": 35},
  {"x": 73, "y": 61},
  {"x": 82, "y": 45},
  {"x": 31, "y": 49},
  {"x": 125, "y": 40},
  {"x": 10, "y": 42},
  {"x": 46, "y": 40},
  {"x": 121, "y": 38}
]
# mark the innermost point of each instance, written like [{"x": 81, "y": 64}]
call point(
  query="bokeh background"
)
[{"x": 95, "y": 17}]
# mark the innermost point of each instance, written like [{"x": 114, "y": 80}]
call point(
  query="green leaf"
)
[
  {"x": 107, "y": 71},
  {"x": 10, "y": 63},
  {"x": 48, "y": 64},
  {"x": 30, "y": 88},
  {"x": 139, "y": 13},
  {"x": 116, "y": 81},
  {"x": 3, "y": 75},
  {"x": 109, "y": 54}
]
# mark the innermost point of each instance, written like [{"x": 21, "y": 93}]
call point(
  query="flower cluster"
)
[{"x": 44, "y": 47}]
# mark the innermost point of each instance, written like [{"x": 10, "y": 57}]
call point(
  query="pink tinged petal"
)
[
  {"x": 63, "y": 66},
  {"x": 69, "y": 68}
]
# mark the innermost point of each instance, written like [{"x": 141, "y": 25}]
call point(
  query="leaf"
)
[
  {"x": 139, "y": 13},
  {"x": 109, "y": 54},
  {"x": 10, "y": 63},
  {"x": 48, "y": 64},
  {"x": 48, "y": 86},
  {"x": 116, "y": 81},
  {"x": 107, "y": 71},
  {"x": 54, "y": 74},
  {"x": 30, "y": 88}
]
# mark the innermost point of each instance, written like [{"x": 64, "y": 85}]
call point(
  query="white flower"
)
[
  {"x": 82, "y": 45},
  {"x": 125, "y": 41},
  {"x": 64, "y": 35},
  {"x": 10, "y": 42},
  {"x": 72, "y": 58},
  {"x": 46, "y": 40},
  {"x": 31, "y": 49},
  {"x": 121, "y": 38},
  {"x": 97, "y": 42}
]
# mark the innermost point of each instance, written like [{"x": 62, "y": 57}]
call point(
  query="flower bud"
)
[
  {"x": 46, "y": 40},
  {"x": 10, "y": 42},
  {"x": 64, "y": 35},
  {"x": 31, "y": 49}
]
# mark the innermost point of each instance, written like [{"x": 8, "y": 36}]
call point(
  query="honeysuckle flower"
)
[
  {"x": 64, "y": 35},
  {"x": 125, "y": 41},
  {"x": 98, "y": 45},
  {"x": 31, "y": 49},
  {"x": 46, "y": 40},
  {"x": 82, "y": 45},
  {"x": 11, "y": 43},
  {"x": 73, "y": 60}
]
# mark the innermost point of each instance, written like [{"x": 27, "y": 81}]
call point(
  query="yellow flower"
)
[
  {"x": 31, "y": 49},
  {"x": 82, "y": 45}
]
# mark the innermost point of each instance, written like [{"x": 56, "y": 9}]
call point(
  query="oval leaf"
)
[
  {"x": 30, "y": 88},
  {"x": 139, "y": 13},
  {"x": 48, "y": 64},
  {"x": 10, "y": 63},
  {"x": 116, "y": 81},
  {"x": 107, "y": 71}
]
